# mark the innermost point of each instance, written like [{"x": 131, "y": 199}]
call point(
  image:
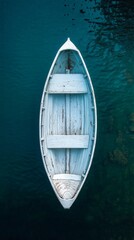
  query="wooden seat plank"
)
[
  {"x": 67, "y": 141},
  {"x": 67, "y": 83},
  {"x": 65, "y": 176}
]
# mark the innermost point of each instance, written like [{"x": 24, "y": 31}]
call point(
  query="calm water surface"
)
[{"x": 30, "y": 34}]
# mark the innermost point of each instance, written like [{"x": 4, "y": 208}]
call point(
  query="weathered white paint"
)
[
  {"x": 68, "y": 120},
  {"x": 67, "y": 141}
]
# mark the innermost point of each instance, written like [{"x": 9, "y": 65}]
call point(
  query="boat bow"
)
[{"x": 68, "y": 45}]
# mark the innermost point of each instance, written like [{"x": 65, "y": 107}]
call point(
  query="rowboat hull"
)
[{"x": 68, "y": 124}]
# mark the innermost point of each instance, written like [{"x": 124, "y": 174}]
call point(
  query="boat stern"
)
[
  {"x": 66, "y": 187},
  {"x": 66, "y": 203}
]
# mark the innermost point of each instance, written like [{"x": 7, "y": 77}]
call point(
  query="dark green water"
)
[{"x": 30, "y": 34}]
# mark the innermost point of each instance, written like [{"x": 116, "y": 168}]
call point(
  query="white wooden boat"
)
[{"x": 68, "y": 124}]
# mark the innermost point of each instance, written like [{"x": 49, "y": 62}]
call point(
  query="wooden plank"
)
[
  {"x": 67, "y": 131},
  {"x": 67, "y": 83},
  {"x": 67, "y": 176},
  {"x": 67, "y": 141},
  {"x": 56, "y": 118}
]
